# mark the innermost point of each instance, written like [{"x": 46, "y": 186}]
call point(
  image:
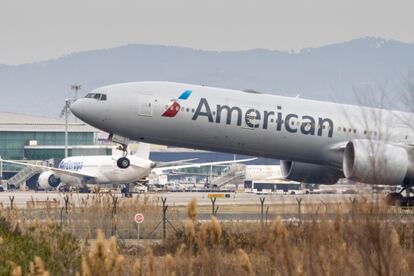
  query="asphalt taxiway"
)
[{"x": 21, "y": 199}]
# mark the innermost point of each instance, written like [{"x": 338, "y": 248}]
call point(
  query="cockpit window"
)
[{"x": 97, "y": 96}]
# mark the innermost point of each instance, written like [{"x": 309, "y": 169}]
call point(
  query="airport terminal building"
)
[{"x": 28, "y": 137}]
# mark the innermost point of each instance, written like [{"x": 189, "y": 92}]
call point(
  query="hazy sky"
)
[{"x": 33, "y": 30}]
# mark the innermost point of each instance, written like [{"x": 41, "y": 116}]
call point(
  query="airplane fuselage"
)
[
  {"x": 235, "y": 121},
  {"x": 104, "y": 169}
]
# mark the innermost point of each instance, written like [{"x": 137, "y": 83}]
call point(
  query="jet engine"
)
[
  {"x": 48, "y": 180},
  {"x": 376, "y": 162},
  {"x": 309, "y": 173}
]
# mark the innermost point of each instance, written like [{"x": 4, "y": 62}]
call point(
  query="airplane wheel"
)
[
  {"x": 394, "y": 199},
  {"x": 123, "y": 163}
]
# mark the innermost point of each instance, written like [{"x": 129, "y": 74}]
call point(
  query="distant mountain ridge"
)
[{"x": 332, "y": 72}]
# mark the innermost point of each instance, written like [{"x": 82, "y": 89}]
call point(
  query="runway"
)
[{"x": 183, "y": 198}]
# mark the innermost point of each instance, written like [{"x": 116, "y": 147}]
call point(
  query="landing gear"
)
[
  {"x": 123, "y": 162},
  {"x": 397, "y": 199}
]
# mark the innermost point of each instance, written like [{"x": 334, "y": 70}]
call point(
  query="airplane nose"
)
[
  {"x": 78, "y": 108},
  {"x": 89, "y": 111},
  {"x": 75, "y": 108}
]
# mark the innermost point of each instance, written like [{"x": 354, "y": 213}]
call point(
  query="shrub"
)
[{"x": 46, "y": 244}]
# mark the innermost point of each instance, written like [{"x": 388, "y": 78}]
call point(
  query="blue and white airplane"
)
[
  {"x": 318, "y": 142},
  {"x": 101, "y": 170}
]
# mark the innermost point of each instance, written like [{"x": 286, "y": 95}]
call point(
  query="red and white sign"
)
[{"x": 139, "y": 218}]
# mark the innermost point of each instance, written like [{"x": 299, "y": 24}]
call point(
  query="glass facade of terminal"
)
[{"x": 12, "y": 144}]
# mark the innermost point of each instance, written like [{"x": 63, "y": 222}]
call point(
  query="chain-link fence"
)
[{"x": 114, "y": 215}]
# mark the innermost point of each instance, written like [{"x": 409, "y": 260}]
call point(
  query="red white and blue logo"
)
[{"x": 174, "y": 107}]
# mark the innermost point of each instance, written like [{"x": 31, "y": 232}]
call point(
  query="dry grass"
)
[
  {"x": 96, "y": 211},
  {"x": 362, "y": 238},
  {"x": 366, "y": 242}
]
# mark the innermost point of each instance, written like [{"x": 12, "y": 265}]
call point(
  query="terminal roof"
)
[{"x": 23, "y": 122}]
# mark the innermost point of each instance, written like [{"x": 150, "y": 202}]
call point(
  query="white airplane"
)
[
  {"x": 81, "y": 170},
  {"x": 318, "y": 142}
]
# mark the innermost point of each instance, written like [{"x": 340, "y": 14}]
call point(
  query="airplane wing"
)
[
  {"x": 173, "y": 163},
  {"x": 198, "y": 165},
  {"x": 46, "y": 168}
]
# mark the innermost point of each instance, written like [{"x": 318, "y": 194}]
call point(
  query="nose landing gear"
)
[{"x": 123, "y": 162}]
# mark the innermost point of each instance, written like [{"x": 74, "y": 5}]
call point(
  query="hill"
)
[{"x": 344, "y": 72}]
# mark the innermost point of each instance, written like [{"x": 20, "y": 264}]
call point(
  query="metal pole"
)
[
  {"x": 299, "y": 201},
  {"x": 11, "y": 202},
  {"x": 114, "y": 217},
  {"x": 66, "y": 198},
  {"x": 137, "y": 233},
  {"x": 213, "y": 204},
  {"x": 66, "y": 127},
  {"x": 262, "y": 200},
  {"x": 164, "y": 218}
]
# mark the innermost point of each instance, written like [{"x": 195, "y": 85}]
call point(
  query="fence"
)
[{"x": 115, "y": 215}]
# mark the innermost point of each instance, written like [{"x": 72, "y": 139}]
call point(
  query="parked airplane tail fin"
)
[{"x": 142, "y": 150}]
